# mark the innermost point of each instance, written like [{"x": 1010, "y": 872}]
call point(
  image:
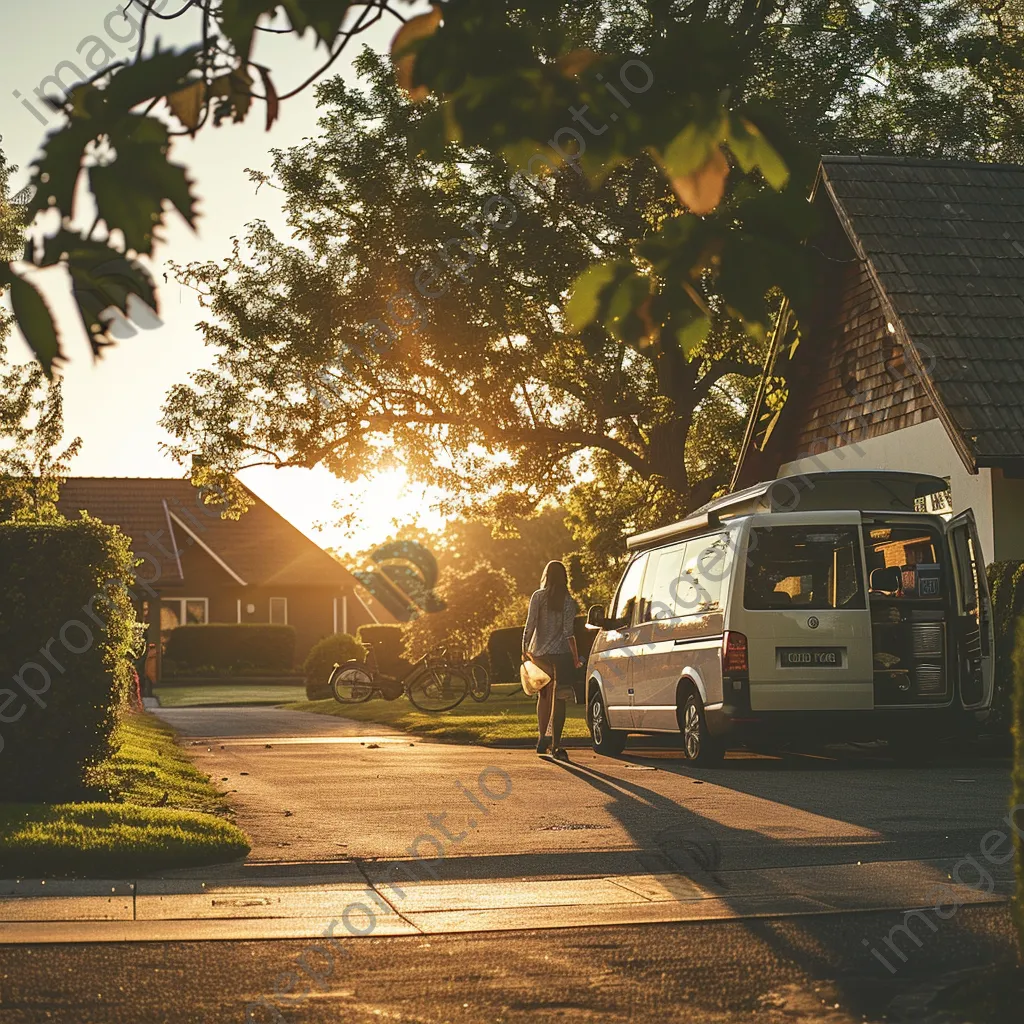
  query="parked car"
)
[{"x": 821, "y": 605}]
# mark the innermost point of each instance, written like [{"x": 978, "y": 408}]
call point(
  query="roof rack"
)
[{"x": 666, "y": 533}]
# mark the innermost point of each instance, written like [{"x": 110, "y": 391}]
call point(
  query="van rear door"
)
[
  {"x": 975, "y": 640},
  {"x": 805, "y": 614}
]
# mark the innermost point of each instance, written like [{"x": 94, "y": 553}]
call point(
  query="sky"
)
[{"x": 113, "y": 403}]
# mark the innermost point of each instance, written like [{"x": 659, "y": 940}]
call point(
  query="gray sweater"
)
[{"x": 547, "y": 631}]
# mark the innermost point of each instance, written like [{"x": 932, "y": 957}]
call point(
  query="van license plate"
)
[{"x": 811, "y": 657}]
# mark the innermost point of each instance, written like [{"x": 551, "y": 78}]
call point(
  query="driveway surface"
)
[{"x": 314, "y": 789}]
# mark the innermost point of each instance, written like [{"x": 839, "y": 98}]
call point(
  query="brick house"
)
[
  {"x": 199, "y": 568},
  {"x": 914, "y": 356}
]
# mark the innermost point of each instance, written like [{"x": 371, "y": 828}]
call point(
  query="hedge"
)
[
  {"x": 67, "y": 636},
  {"x": 1006, "y": 583},
  {"x": 1017, "y": 802},
  {"x": 231, "y": 647},
  {"x": 504, "y": 652},
  {"x": 340, "y": 647},
  {"x": 386, "y": 642}
]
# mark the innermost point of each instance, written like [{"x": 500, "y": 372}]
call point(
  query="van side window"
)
[
  {"x": 658, "y": 599},
  {"x": 629, "y": 591},
  {"x": 705, "y": 567}
]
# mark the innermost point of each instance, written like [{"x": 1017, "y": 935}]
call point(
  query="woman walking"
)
[{"x": 548, "y": 640}]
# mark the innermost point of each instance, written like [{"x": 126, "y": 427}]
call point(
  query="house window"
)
[
  {"x": 939, "y": 504},
  {"x": 279, "y": 611},
  {"x": 183, "y": 611}
]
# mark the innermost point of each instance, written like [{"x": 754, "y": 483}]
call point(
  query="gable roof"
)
[
  {"x": 260, "y": 549},
  {"x": 944, "y": 242}
]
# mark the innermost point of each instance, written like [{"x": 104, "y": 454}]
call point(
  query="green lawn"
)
[
  {"x": 226, "y": 693},
  {"x": 494, "y": 721},
  {"x": 155, "y": 810}
]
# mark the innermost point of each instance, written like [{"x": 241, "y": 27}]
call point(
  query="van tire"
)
[
  {"x": 699, "y": 747},
  {"x": 603, "y": 739}
]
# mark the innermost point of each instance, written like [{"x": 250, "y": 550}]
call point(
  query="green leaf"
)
[
  {"x": 130, "y": 191},
  {"x": 102, "y": 279},
  {"x": 585, "y": 300},
  {"x": 55, "y": 173},
  {"x": 752, "y": 149},
  {"x": 692, "y": 148},
  {"x": 238, "y": 21},
  {"x": 36, "y": 323},
  {"x": 325, "y": 16},
  {"x": 234, "y": 89},
  {"x": 159, "y": 74},
  {"x": 693, "y": 334}
]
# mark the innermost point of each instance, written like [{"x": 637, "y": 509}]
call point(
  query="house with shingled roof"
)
[
  {"x": 198, "y": 568},
  {"x": 913, "y": 355}
]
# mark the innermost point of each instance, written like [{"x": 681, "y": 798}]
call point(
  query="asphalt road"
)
[{"x": 789, "y": 971}]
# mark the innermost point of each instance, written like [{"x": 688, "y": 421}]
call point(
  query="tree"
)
[
  {"x": 507, "y": 73},
  {"x": 330, "y": 353},
  {"x": 473, "y": 600},
  {"x": 521, "y": 550},
  {"x": 32, "y": 465},
  {"x": 31, "y": 420}
]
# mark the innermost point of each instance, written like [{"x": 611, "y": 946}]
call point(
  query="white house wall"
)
[{"x": 926, "y": 448}]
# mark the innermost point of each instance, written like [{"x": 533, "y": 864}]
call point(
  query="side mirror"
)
[{"x": 596, "y": 617}]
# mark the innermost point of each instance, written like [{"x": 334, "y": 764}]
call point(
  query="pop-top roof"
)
[{"x": 868, "y": 490}]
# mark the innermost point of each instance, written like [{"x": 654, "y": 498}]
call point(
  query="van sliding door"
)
[{"x": 974, "y": 636}]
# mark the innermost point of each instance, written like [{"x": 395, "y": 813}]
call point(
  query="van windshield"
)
[{"x": 804, "y": 567}]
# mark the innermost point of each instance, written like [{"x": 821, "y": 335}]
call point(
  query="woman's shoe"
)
[
  {"x": 561, "y": 754},
  {"x": 542, "y": 745}
]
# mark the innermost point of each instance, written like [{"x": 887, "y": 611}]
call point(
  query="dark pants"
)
[{"x": 561, "y": 668}]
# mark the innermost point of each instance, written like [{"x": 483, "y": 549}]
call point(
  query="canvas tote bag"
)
[{"x": 533, "y": 677}]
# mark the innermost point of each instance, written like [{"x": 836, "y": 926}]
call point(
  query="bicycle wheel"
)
[
  {"x": 480, "y": 688},
  {"x": 438, "y": 688},
  {"x": 351, "y": 683}
]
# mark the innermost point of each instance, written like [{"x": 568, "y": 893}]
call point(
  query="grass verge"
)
[
  {"x": 497, "y": 720},
  {"x": 227, "y": 693},
  {"x": 155, "y": 811}
]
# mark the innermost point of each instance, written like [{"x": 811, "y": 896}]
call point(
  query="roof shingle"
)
[
  {"x": 946, "y": 241},
  {"x": 262, "y": 547}
]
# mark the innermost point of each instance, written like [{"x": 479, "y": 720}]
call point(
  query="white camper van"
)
[{"x": 824, "y": 604}]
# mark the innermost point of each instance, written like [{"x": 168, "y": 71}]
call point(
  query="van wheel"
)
[
  {"x": 699, "y": 746},
  {"x": 604, "y": 739}
]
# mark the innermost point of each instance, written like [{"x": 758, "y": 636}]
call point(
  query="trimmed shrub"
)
[
  {"x": 1006, "y": 583},
  {"x": 386, "y": 641},
  {"x": 504, "y": 653},
  {"x": 67, "y": 636},
  {"x": 231, "y": 647},
  {"x": 1017, "y": 803},
  {"x": 340, "y": 647}
]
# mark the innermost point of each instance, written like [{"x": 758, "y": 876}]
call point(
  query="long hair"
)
[{"x": 555, "y": 583}]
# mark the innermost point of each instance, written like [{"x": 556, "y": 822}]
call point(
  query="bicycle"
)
[
  {"x": 432, "y": 684},
  {"x": 479, "y": 677}
]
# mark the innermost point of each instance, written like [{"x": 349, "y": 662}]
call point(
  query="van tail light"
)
[{"x": 734, "y": 653}]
